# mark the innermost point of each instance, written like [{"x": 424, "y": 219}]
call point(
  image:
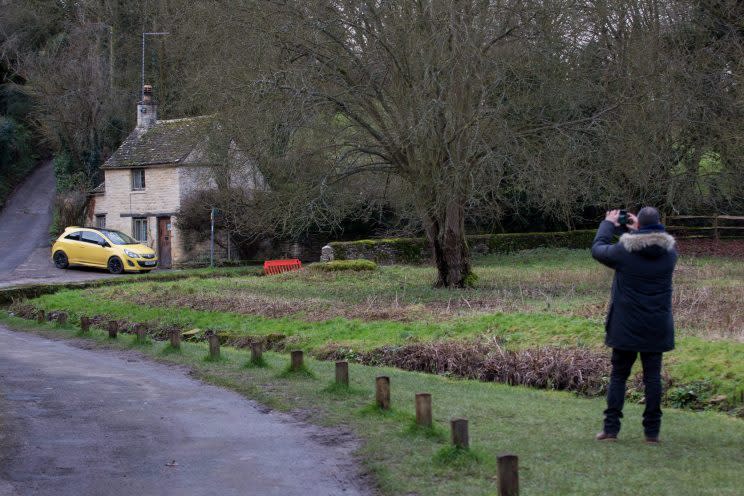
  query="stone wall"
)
[
  {"x": 384, "y": 251},
  {"x": 417, "y": 250}
]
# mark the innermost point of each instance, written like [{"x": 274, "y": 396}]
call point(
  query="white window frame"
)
[
  {"x": 101, "y": 221},
  {"x": 138, "y": 180},
  {"x": 139, "y": 229}
]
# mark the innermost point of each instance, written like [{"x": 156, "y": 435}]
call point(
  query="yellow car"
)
[{"x": 105, "y": 248}]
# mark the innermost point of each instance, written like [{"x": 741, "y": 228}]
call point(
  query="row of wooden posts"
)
[{"x": 508, "y": 464}]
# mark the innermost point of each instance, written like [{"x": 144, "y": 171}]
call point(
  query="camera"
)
[{"x": 623, "y": 218}]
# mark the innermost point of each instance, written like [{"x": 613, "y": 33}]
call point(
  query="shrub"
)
[
  {"x": 69, "y": 210},
  {"x": 17, "y": 155},
  {"x": 460, "y": 358},
  {"x": 694, "y": 395},
  {"x": 581, "y": 370},
  {"x": 22, "y": 309},
  {"x": 68, "y": 175},
  {"x": 336, "y": 265},
  {"x": 572, "y": 369}
]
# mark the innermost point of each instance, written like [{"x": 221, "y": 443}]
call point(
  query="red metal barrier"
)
[{"x": 272, "y": 267}]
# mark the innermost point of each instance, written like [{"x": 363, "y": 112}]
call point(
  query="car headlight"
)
[{"x": 131, "y": 254}]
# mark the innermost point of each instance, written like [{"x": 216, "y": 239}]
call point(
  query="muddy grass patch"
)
[
  {"x": 708, "y": 311},
  {"x": 311, "y": 310},
  {"x": 703, "y": 247},
  {"x": 712, "y": 311}
]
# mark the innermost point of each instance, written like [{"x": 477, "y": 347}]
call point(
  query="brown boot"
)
[
  {"x": 654, "y": 441},
  {"x": 603, "y": 436}
]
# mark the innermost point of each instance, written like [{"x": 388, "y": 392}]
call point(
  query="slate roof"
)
[
  {"x": 166, "y": 142},
  {"x": 101, "y": 188}
]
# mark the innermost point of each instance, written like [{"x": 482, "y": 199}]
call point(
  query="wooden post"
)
[
  {"x": 256, "y": 352},
  {"x": 84, "y": 324},
  {"x": 423, "y": 409},
  {"x": 382, "y": 392},
  {"x": 342, "y": 373},
  {"x": 175, "y": 339},
  {"x": 62, "y": 318},
  {"x": 214, "y": 346},
  {"x": 460, "y": 438},
  {"x": 715, "y": 228},
  {"x": 139, "y": 329},
  {"x": 297, "y": 360},
  {"x": 508, "y": 475},
  {"x": 40, "y": 316},
  {"x": 113, "y": 329}
]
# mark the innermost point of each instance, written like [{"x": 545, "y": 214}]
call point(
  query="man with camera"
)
[{"x": 639, "y": 319}]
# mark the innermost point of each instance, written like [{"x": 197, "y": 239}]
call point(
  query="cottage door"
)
[{"x": 164, "y": 242}]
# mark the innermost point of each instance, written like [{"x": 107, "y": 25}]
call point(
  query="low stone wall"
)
[{"x": 417, "y": 250}]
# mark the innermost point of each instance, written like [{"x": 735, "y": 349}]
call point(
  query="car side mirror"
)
[{"x": 105, "y": 244}]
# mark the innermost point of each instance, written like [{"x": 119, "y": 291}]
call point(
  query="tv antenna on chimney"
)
[{"x": 142, "y": 85}]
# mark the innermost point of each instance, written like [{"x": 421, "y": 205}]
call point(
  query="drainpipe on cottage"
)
[{"x": 211, "y": 242}]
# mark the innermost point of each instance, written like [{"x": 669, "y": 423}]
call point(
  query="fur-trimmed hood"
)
[{"x": 641, "y": 242}]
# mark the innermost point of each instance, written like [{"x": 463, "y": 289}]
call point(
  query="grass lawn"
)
[
  {"x": 551, "y": 432},
  {"x": 541, "y": 297}
]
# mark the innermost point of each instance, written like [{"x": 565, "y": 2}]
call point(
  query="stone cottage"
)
[{"x": 157, "y": 166}]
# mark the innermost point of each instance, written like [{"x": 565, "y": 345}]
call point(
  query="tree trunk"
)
[{"x": 446, "y": 233}]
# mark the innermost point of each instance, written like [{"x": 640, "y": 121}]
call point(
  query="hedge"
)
[
  {"x": 505, "y": 243},
  {"x": 416, "y": 250},
  {"x": 356, "y": 265}
]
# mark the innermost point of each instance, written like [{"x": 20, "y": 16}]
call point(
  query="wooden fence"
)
[{"x": 705, "y": 226}]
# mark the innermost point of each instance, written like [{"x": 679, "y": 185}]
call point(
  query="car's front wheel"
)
[
  {"x": 60, "y": 260},
  {"x": 115, "y": 265}
]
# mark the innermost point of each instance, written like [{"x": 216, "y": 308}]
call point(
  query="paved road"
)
[
  {"x": 24, "y": 234},
  {"x": 81, "y": 422}
]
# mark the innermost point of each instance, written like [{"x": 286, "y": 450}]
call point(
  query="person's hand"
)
[
  {"x": 613, "y": 216},
  {"x": 633, "y": 224}
]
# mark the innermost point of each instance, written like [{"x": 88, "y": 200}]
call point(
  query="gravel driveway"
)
[{"x": 81, "y": 422}]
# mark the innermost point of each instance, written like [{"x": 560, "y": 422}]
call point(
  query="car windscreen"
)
[{"x": 119, "y": 238}]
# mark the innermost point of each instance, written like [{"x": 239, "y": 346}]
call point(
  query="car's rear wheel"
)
[
  {"x": 60, "y": 260},
  {"x": 115, "y": 265}
]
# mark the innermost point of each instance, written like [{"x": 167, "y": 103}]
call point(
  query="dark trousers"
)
[{"x": 622, "y": 362}]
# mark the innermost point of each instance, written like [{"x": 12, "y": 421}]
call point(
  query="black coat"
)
[{"x": 640, "y": 314}]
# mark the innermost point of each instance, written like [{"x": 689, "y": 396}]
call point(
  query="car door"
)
[
  {"x": 74, "y": 247},
  {"x": 95, "y": 251}
]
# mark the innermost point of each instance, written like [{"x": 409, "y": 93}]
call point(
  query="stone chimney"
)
[{"x": 147, "y": 109}]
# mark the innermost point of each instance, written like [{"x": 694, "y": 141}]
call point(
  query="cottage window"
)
[
  {"x": 138, "y": 179},
  {"x": 139, "y": 229},
  {"x": 101, "y": 221}
]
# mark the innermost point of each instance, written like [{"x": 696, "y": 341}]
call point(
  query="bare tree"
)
[{"x": 451, "y": 98}]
